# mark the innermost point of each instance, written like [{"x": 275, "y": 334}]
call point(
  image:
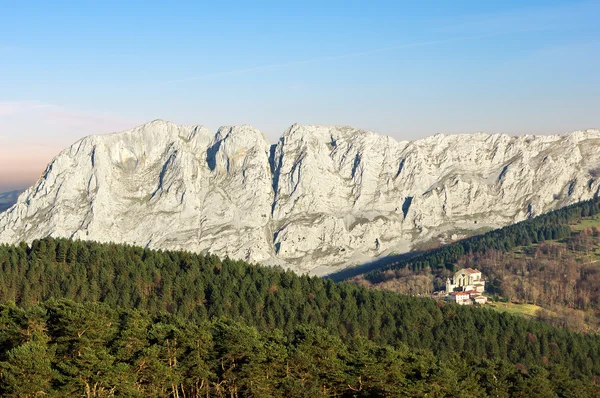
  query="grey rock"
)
[{"x": 321, "y": 198}]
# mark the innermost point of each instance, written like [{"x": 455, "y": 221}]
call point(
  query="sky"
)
[{"x": 407, "y": 69}]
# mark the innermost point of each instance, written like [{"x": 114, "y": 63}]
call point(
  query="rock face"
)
[{"x": 321, "y": 197}]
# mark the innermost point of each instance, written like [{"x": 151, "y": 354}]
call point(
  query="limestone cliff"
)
[{"x": 322, "y": 196}]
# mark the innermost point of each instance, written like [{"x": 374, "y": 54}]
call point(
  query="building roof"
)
[
  {"x": 471, "y": 271},
  {"x": 459, "y": 294}
]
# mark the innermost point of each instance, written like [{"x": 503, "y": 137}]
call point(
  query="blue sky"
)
[{"x": 405, "y": 69}]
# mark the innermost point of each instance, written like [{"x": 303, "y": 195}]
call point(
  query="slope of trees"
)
[
  {"x": 549, "y": 261},
  {"x": 550, "y": 226},
  {"x": 200, "y": 288},
  {"x": 60, "y": 348},
  {"x": 549, "y": 274}
]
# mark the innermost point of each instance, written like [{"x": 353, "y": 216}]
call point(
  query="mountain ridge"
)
[{"x": 320, "y": 196}]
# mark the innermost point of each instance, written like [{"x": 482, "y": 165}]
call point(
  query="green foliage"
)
[
  {"x": 131, "y": 353},
  {"x": 27, "y": 371},
  {"x": 250, "y": 321}
]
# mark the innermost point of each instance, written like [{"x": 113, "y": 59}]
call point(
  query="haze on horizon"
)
[{"x": 404, "y": 69}]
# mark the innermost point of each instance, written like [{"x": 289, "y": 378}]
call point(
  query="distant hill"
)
[{"x": 7, "y": 199}]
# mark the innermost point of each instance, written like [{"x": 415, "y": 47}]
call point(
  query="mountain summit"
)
[{"x": 322, "y": 196}]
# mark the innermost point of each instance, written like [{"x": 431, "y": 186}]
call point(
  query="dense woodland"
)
[
  {"x": 202, "y": 289},
  {"x": 61, "y": 348}
]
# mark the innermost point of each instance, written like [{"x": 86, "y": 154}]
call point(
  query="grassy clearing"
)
[
  {"x": 528, "y": 310},
  {"x": 570, "y": 318},
  {"x": 587, "y": 223}
]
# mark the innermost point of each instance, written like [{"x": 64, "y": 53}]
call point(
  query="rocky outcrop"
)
[{"x": 322, "y": 196}]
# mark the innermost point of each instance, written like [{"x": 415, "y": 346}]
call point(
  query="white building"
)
[
  {"x": 462, "y": 298},
  {"x": 464, "y": 280}
]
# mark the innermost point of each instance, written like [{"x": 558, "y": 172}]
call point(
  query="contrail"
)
[{"x": 336, "y": 57}]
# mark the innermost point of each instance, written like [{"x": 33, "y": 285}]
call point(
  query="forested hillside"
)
[
  {"x": 60, "y": 348},
  {"x": 552, "y": 261},
  {"x": 201, "y": 288}
]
